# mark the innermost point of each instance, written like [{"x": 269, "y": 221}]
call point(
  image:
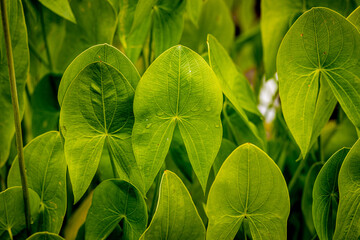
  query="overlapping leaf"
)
[
  {"x": 44, "y": 236},
  {"x": 20, "y": 52},
  {"x": 248, "y": 190},
  {"x": 46, "y": 172},
  {"x": 325, "y": 195},
  {"x": 348, "y": 215},
  {"x": 178, "y": 88},
  {"x": 60, "y": 7},
  {"x": 96, "y": 113},
  {"x": 116, "y": 201},
  {"x": 176, "y": 216},
  {"x": 319, "y": 55}
]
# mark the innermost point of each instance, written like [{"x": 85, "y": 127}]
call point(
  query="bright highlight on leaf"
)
[
  {"x": 317, "y": 60},
  {"x": 179, "y": 88},
  {"x": 248, "y": 192},
  {"x": 176, "y": 216}
]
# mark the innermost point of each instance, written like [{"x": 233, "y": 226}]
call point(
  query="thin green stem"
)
[
  {"x": 156, "y": 193},
  {"x": 10, "y": 234},
  {"x": 17, "y": 119},
  {"x": 297, "y": 174},
  {"x": 43, "y": 31}
]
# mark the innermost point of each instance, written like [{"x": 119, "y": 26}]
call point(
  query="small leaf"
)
[
  {"x": 12, "y": 216},
  {"x": 115, "y": 201},
  {"x": 20, "y": 52},
  {"x": 176, "y": 216},
  {"x": 193, "y": 9},
  {"x": 249, "y": 190},
  {"x": 310, "y": 62},
  {"x": 97, "y": 113},
  {"x": 348, "y": 214},
  {"x": 46, "y": 173},
  {"x": 325, "y": 195},
  {"x": 44, "y": 236},
  {"x": 60, "y": 7},
  {"x": 178, "y": 88}
]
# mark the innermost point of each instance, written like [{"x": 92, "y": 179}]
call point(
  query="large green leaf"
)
[
  {"x": 20, "y": 51},
  {"x": 307, "y": 196},
  {"x": 98, "y": 53},
  {"x": 320, "y": 52},
  {"x": 178, "y": 88},
  {"x": 277, "y": 17},
  {"x": 348, "y": 214},
  {"x": 12, "y": 216},
  {"x": 44, "y": 236},
  {"x": 96, "y": 23},
  {"x": 116, "y": 201},
  {"x": 60, "y": 7},
  {"x": 97, "y": 112},
  {"x": 176, "y": 216},
  {"x": 325, "y": 195},
  {"x": 46, "y": 171},
  {"x": 354, "y": 17},
  {"x": 215, "y": 18},
  {"x": 249, "y": 190}
]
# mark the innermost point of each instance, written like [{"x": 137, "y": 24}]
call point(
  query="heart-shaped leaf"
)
[
  {"x": 320, "y": 52},
  {"x": 248, "y": 191},
  {"x": 325, "y": 195},
  {"x": 348, "y": 214},
  {"x": 116, "y": 201},
  {"x": 176, "y": 216},
  {"x": 12, "y": 215},
  {"x": 97, "y": 112},
  {"x": 178, "y": 88},
  {"x": 46, "y": 173}
]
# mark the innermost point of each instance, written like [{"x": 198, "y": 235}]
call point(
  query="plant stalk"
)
[
  {"x": 17, "y": 119},
  {"x": 297, "y": 174}
]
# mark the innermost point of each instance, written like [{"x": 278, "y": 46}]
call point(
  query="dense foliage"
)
[{"x": 180, "y": 119}]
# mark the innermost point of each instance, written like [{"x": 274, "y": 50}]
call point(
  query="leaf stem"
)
[
  {"x": 297, "y": 174},
  {"x": 17, "y": 120}
]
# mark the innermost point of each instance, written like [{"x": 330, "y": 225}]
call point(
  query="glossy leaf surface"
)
[
  {"x": 176, "y": 216},
  {"x": 248, "y": 190},
  {"x": 348, "y": 215},
  {"x": 97, "y": 113},
  {"x": 325, "y": 195},
  {"x": 115, "y": 201},
  {"x": 320, "y": 51},
  {"x": 178, "y": 88}
]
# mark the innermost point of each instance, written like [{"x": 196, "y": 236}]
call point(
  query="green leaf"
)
[
  {"x": 230, "y": 79},
  {"x": 215, "y": 19},
  {"x": 178, "y": 88},
  {"x": 116, "y": 201},
  {"x": 278, "y": 16},
  {"x": 88, "y": 31},
  {"x": 96, "y": 113},
  {"x": 20, "y": 52},
  {"x": 354, "y": 17},
  {"x": 176, "y": 216},
  {"x": 248, "y": 191},
  {"x": 311, "y": 60},
  {"x": 193, "y": 9},
  {"x": 307, "y": 196},
  {"x": 226, "y": 148},
  {"x": 12, "y": 216},
  {"x": 44, "y": 236},
  {"x": 46, "y": 173},
  {"x": 98, "y": 53},
  {"x": 348, "y": 214},
  {"x": 325, "y": 195},
  {"x": 44, "y": 104},
  {"x": 60, "y": 7}
]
